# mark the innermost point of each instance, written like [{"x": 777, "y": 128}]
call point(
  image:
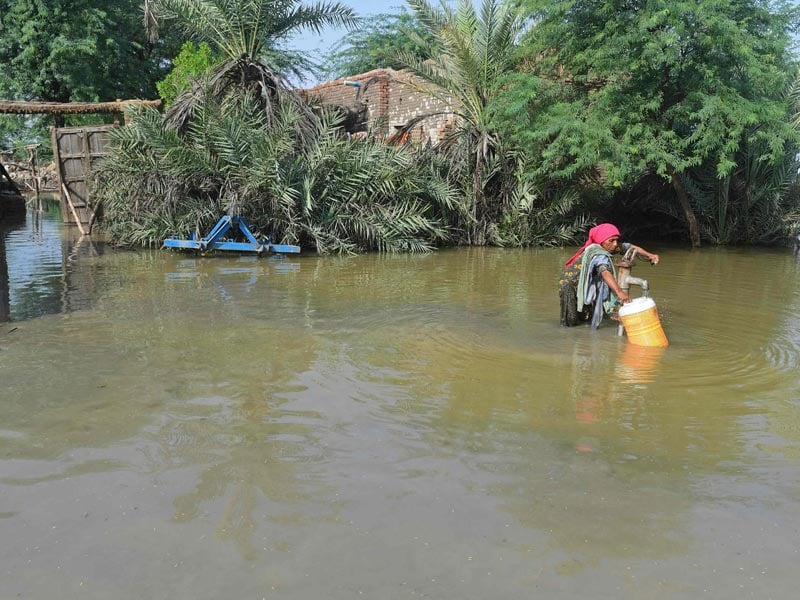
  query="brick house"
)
[{"x": 384, "y": 100}]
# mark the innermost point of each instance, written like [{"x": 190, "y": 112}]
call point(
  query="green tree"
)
[
  {"x": 246, "y": 34},
  {"x": 376, "y": 43},
  {"x": 78, "y": 50},
  {"x": 192, "y": 62},
  {"x": 469, "y": 55},
  {"x": 74, "y": 50},
  {"x": 257, "y": 29},
  {"x": 330, "y": 193},
  {"x": 238, "y": 149},
  {"x": 617, "y": 90}
]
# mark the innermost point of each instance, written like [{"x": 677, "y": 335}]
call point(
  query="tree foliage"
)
[
  {"x": 240, "y": 141},
  {"x": 192, "y": 61},
  {"x": 375, "y": 44},
  {"x": 73, "y": 51},
  {"x": 78, "y": 50},
  {"x": 326, "y": 192},
  {"x": 245, "y": 33},
  {"x": 614, "y": 91},
  {"x": 465, "y": 57},
  {"x": 257, "y": 29}
]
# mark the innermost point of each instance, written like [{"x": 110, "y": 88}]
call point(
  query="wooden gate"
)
[{"x": 75, "y": 151}]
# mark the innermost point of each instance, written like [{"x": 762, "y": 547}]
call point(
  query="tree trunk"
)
[
  {"x": 688, "y": 213},
  {"x": 478, "y": 237}
]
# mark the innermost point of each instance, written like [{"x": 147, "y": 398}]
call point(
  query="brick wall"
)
[{"x": 391, "y": 98}]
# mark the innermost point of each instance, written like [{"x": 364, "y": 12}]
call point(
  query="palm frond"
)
[
  {"x": 324, "y": 192},
  {"x": 465, "y": 66},
  {"x": 314, "y": 18}
]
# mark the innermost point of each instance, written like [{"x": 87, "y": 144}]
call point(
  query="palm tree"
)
[
  {"x": 466, "y": 61},
  {"x": 247, "y": 33},
  {"x": 246, "y": 27},
  {"x": 331, "y": 193}
]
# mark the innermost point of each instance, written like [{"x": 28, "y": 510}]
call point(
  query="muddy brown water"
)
[{"x": 392, "y": 427}]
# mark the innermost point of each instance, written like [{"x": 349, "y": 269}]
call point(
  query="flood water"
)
[{"x": 391, "y": 427}]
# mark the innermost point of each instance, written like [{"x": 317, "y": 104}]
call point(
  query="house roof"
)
[{"x": 361, "y": 77}]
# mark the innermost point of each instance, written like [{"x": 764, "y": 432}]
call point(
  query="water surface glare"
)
[{"x": 394, "y": 427}]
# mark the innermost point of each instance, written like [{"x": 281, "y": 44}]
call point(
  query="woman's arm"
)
[
  {"x": 608, "y": 277},
  {"x": 653, "y": 258}
]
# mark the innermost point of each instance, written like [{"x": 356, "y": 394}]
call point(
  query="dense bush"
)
[{"x": 323, "y": 191}]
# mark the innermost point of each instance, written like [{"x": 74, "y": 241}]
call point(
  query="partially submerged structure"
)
[
  {"x": 12, "y": 203},
  {"x": 222, "y": 237},
  {"x": 76, "y": 149},
  {"x": 383, "y": 102}
]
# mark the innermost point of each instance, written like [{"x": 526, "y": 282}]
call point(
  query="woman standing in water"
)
[{"x": 588, "y": 287}]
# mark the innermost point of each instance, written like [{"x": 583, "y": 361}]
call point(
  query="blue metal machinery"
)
[{"x": 216, "y": 240}]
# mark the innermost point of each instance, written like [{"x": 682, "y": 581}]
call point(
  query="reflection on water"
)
[
  {"x": 395, "y": 426},
  {"x": 45, "y": 267},
  {"x": 638, "y": 364}
]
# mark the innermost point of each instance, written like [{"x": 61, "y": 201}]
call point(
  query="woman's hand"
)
[
  {"x": 612, "y": 283},
  {"x": 653, "y": 258}
]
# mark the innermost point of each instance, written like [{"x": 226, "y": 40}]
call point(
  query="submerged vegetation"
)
[
  {"x": 320, "y": 190},
  {"x": 240, "y": 140},
  {"x": 671, "y": 118},
  {"x": 465, "y": 57}
]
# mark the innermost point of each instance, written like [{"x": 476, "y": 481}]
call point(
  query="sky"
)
[
  {"x": 311, "y": 42},
  {"x": 319, "y": 45}
]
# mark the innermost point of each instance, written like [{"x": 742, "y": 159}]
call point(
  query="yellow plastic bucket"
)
[{"x": 641, "y": 322}]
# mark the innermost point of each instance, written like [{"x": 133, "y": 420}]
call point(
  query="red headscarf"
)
[{"x": 597, "y": 235}]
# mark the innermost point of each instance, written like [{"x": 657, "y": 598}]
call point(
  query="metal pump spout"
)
[
  {"x": 625, "y": 283},
  {"x": 625, "y": 279}
]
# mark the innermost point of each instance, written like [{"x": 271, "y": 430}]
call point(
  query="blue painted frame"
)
[{"x": 216, "y": 240}]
